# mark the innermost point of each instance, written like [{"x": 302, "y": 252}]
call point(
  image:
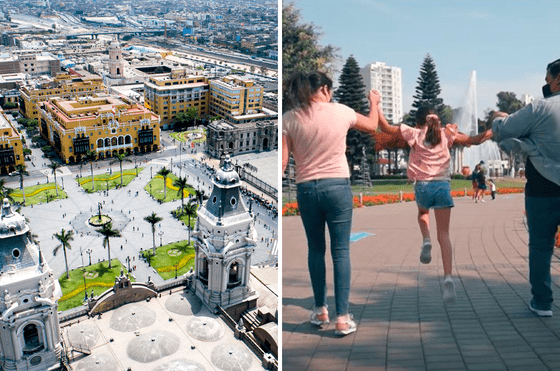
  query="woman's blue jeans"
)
[
  {"x": 328, "y": 202},
  {"x": 543, "y": 218}
]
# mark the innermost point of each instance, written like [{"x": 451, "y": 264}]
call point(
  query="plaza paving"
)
[
  {"x": 128, "y": 210},
  {"x": 397, "y": 302}
]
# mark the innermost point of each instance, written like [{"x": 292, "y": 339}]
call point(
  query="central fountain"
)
[{"x": 468, "y": 124}]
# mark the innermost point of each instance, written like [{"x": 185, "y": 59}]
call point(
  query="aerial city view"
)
[{"x": 139, "y": 185}]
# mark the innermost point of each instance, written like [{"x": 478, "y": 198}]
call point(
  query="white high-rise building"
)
[{"x": 388, "y": 80}]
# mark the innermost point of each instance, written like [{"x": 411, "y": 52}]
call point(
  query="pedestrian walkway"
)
[{"x": 397, "y": 302}]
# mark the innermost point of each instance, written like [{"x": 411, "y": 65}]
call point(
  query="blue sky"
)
[{"x": 508, "y": 43}]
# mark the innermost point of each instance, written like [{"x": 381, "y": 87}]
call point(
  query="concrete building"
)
[
  {"x": 388, "y": 80},
  {"x": 29, "y": 333},
  {"x": 11, "y": 146},
  {"x": 108, "y": 125},
  {"x": 168, "y": 95},
  {"x": 234, "y": 139},
  {"x": 236, "y": 99},
  {"x": 64, "y": 86}
]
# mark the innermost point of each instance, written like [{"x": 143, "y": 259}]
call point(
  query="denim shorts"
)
[{"x": 434, "y": 194}]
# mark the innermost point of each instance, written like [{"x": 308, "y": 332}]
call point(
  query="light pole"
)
[
  {"x": 151, "y": 190},
  {"x": 160, "y": 237},
  {"x": 82, "y": 254},
  {"x": 176, "y": 264},
  {"x": 89, "y": 251},
  {"x": 128, "y": 261}
]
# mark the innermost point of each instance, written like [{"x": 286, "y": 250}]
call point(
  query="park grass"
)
[
  {"x": 165, "y": 263},
  {"x": 38, "y": 194},
  {"x": 73, "y": 288},
  {"x": 172, "y": 192},
  {"x": 181, "y": 135},
  {"x": 114, "y": 180}
]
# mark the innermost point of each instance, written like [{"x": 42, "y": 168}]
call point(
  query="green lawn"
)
[
  {"x": 156, "y": 189},
  {"x": 181, "y": 136},
  {"x": 73, "y": 288},
  {"x": 102, "y": 181},
  {"x": 38, "y": 194},
  {"x": 164, "y": 261}
]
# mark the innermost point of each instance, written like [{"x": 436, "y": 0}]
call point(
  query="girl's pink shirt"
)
[
  {"x": 428, "y": 162},
  {"x": 317, "y": 140}
]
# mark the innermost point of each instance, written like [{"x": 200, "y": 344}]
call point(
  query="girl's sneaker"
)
[
  {"x": 345, "y": 325},
  {"x": 448, "y": 290},
  {"x": 426, "y": 254},
  {"x": 320, "y": 316}
]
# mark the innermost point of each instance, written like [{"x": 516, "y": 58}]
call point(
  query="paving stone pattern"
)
[{"x": 397, "y": 302}]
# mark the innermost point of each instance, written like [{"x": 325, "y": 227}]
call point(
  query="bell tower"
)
[
  {"x": 29, "y": 333},
  {"x": 224, "y": 240},
  {"x": 116, "y": 64}
]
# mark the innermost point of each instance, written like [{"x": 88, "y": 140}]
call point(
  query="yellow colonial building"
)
[
  {"x": 107, "y": 125},
  {"x": 236, "y": 99},
  {"x": 11, "y": 146},
  {"x": 176, "y": 92},
  {"x": 64, "y": 85}
]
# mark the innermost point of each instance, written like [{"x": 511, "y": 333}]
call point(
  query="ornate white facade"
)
[
  {"x": 29, "y": 332},
  {"x": 224, "y": 240}
]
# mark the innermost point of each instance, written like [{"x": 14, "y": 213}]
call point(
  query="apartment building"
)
[
  {"x": 168, "y": 94},
  {"x": 64, "y": 86},
  {"x": 107, "y": 125},
  {"x": 388, "y": 80},
  {"x": 236, "y": 99}
]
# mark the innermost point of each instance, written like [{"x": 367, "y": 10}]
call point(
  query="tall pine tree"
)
[
  {"x": 351, "y": 92},
  {"x": 428, "y": 89}
]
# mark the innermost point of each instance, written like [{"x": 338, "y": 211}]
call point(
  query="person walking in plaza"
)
[
  {"x": 314, "y": 132},
  {"x": 492, "y": 189},
  {"x": 474, "y": 178},
  {"x": 429, "y": 168},
  {"x": 535, "y": 130},
  {"x": 481, "y": 187}
]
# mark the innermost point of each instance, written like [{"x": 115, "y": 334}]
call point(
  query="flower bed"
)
[{"x": 291, "y": 208}]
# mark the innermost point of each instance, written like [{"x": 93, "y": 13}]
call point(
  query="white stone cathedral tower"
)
[
  {"x": 116, "y": 64},
  {"x": 224, "y": 241},
  {"x": 29, "y": 333}
]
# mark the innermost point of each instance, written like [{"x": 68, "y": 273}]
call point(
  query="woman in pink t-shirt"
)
[
  {"x": 314, "y": 132},
  {"x": 429, "y": 167}
]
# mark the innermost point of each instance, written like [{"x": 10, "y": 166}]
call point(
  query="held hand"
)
[
  {"x": 495, "y": 115},
  {"x": 374, "y": 97}
]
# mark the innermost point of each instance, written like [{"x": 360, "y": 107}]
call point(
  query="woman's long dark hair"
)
[
  {"x": 298, "y": 90},
  {"x": 433, "y": 136}
]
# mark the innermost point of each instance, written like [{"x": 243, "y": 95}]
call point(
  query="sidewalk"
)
[{"x": 397, "y": 302}]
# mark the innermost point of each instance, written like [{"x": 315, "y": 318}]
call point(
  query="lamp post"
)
[
  {"x": 160, "y": 237},
  {"x": 151, "y": 190},
  {"x": 176, "y": 264},
  {"x": 128, "y": 261},
  {"x": 89, "y": 251},
  {"x": 62, "y": 182},
  {"x": 82, "y": 254}
]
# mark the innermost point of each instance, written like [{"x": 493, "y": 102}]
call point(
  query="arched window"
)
[
  {"x": 234, "y": 278},
  {"x": 128, "y": 139},
  {"x": 107, "y": 142},
  {"x": 99, "y": 143},
  {"x": 113, "y": 141},
  {"x": 31, "y": 339},
  {"x": 121, "y": 141}
]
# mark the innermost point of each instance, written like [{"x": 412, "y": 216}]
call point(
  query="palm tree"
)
[
  {"x": 64, "y": 237},
  {"x": 153, "y": 219},
  {"x": 21, "y": 171},
  {"x": 190, "y": 210},
  {"x": 181, "y": 184},
  {"x": 55, "y": 166},
  {"x": 6, "y": 192},
  {"x": 164, "y": 172},
  {"x": 120, "y": 158},
  {"x": 90, "y": 156},
  {"x": 108, "y": 232}
]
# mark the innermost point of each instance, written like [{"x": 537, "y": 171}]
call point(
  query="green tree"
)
[
  {"x": 55, "y": 167},
  {"x": 190, "y": 210},
  {"x": 64, "y": 237},
  {"x": 120, "y": 158},
  {"x": 91, "y": 156},
  {"x": 164, "y": 172},
  {"x": 153, "y": 219},
  {"x": 428, "y": 89},
  {"x": 6, "y": 192},
  {"x": 301, "y": 51},
  {"x": 21, "y": 172},
  {"x": 351, "y": 92},
  {"x": 181, "y": 184},
  {"x": 508, "y": 102},
  {"x": 108, "y": 232},
  {"x": 9, "y": 105}
]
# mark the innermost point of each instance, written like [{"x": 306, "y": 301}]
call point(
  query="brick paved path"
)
[{"x": 397, "y": 302}]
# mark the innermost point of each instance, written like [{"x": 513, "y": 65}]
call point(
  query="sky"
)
[{"x": 508, "y": 43}]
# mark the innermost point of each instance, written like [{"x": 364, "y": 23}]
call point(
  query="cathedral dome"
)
[
  {"x": 11, "y": 223},
  {"x": 226, "y": 175}
]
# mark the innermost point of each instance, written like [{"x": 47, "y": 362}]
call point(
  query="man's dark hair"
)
[{"x": 553, "y": 68}]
